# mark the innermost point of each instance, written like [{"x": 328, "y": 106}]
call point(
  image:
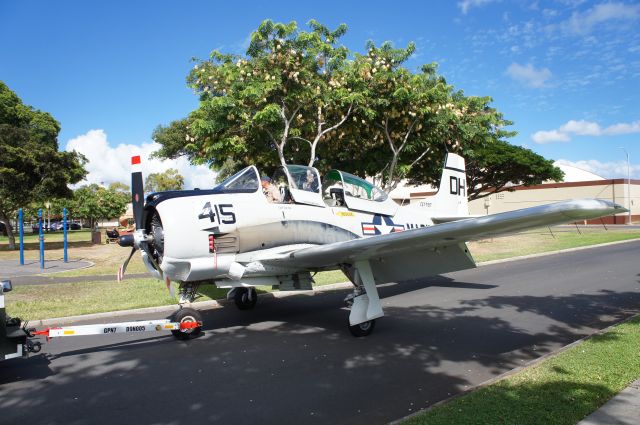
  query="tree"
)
[
  {"x": 300, "y": 97},
  {"x": 119, "y": 187},
  {"x": 290, "y": 88},
  {"x": 31, "y": 167},
  {"x": 168, "y": 180},
  {"x": 500, "y": 166},
  {"x": 398, "y": 109},
  {"x": 94, "y": 202}
]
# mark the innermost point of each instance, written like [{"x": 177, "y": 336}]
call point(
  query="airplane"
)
[{"x": 252, "y": 230}]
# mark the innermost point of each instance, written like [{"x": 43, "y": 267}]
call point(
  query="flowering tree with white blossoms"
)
[
  {"x": 292, "y": 88},
  {"x": 300, "y": 97}
]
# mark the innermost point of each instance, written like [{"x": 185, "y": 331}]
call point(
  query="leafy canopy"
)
[
  {"x": 94, "y": 202},
  {"x": 167, "y": 180},
  {"x": 31, "y": 167},
  {"x": 301, "y": 97}
]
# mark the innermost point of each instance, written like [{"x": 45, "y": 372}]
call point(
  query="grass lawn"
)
[
  {"x": 562, "y": 389},
  {"x": 543, "y": 240}
]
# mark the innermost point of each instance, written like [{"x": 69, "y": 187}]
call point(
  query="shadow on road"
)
[{"x": 293, "y": 360}]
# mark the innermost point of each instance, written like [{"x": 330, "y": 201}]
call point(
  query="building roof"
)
[{"x": 575, "y": 174}]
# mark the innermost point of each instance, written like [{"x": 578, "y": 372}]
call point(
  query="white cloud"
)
[
  {"x": 584, "y": 128},
  {"x": 528, "y": 75},
  {"x": 465, "y": 5},
  {"x": 112, "y": 164},
  {"x": 608, "y": 170},
  {"x": 550, "y": 137},
  {"x": 581, "y": 128},
  {"x": 623, "y": 128},
  {"x": 584, "y": 22}
]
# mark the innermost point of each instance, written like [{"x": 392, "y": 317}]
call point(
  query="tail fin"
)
[{"x": 450, "y": 203}]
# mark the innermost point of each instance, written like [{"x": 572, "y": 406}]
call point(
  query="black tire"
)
[
  {"x": 241, "y": 297},
  {"x": 362, "y": 329},
  {"x": 187, "y": 315}
]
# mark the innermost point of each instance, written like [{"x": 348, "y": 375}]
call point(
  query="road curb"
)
[
  {"x": 200, "y": 305},
  {"x": 561, "y": 251}
]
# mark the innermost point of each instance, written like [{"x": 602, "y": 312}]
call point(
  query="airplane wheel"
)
[
  {"x": 242, "y": 300},
  {"x": 187, "y": 315},
  {"x": 362, "y": 329}
]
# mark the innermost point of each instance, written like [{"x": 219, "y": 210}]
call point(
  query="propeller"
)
[
  {"x": 140, "y": 239},
  {"x": 137, "y": 192}
]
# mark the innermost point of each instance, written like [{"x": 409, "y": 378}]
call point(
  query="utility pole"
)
[{"x": 628, "y": 185}]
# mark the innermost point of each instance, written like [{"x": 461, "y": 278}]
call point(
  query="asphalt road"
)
[{"x": 292, "y": 360}]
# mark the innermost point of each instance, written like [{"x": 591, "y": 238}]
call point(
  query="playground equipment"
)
[{"x": 41, "y": 236}]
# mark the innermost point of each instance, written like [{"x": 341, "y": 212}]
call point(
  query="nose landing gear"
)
[{"x": 193, "y": 321}]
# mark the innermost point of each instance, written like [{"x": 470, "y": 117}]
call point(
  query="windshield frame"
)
[{"x": 223, "y": 187}]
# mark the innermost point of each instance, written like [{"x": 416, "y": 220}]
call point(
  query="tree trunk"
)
[{"x": 10, "y": 235}]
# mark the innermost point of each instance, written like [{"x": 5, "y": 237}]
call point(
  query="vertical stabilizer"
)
[{"x": 450, "y": 203}]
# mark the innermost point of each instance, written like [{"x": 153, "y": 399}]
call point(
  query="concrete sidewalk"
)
[
  {"x": 623, "y": 409},
  {"x": 12, "y": 268}
]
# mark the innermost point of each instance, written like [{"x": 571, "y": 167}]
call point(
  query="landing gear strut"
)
[
  {"x": 245, "y": 298},
  {"x": 364, "y": 302},
  {"x": 188, "y": 292}
]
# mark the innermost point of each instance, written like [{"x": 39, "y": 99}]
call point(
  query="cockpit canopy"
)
[
  {"x": 344, "y": 189},
  {"x": 301, "y": 184},
  {"x": 354, "y": 186},
  {"x": 244, "y": 181}
]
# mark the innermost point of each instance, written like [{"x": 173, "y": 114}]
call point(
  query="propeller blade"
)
[
  {"x": 167, "y": 282},
  {"x": 156, "y": 266},
  {"x": 137, "y": 192},
  {"x": 123, "y": 267}
]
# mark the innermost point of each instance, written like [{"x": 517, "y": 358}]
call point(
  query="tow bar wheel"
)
[{"x": 187, "y": 315}]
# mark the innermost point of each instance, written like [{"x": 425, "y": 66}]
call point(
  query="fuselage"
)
[
  {"x": 221, "y": 233},
  {"x": 246, "y": 222}
]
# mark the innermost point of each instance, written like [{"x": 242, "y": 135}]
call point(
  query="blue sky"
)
[{"x": 566, "y": 72}]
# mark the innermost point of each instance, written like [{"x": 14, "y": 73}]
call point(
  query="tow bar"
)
[
  {"x": 116, "y": 328},
  {"x": 15, "y": 335},
  {"x": 185, "y": 329}
]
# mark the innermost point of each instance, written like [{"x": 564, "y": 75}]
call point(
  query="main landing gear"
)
[
  {"x": 364, "y": 301},
  {"x": 362, "y": 329},
  {"x": 245, "y": 298}
]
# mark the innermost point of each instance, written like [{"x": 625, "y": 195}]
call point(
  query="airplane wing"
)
[
  {"x": 447, "y": 219},
  {"x": 410, "y": 243}
]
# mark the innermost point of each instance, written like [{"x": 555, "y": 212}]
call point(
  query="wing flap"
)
[{"x": 445, "y": 234}]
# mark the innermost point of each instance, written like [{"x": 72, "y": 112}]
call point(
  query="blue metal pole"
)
[
  {"x": 21, "y": 227},
  {"x": 41, "y": 237},
  {"x": 64, "y": 226}
]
